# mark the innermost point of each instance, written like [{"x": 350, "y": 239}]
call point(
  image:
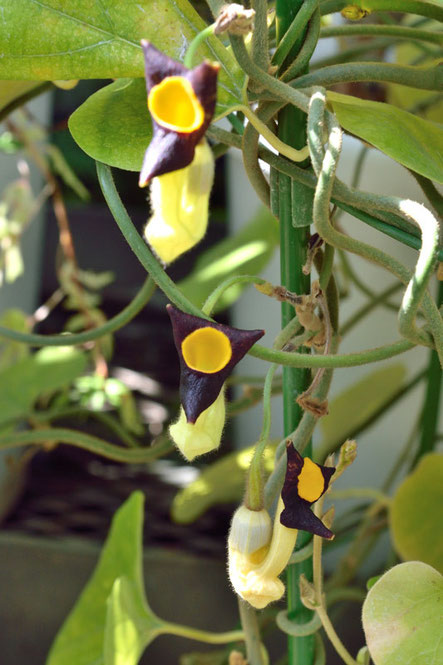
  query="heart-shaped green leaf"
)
[
  {"x": 98, "y": 128},
  {"x": 59, "y": 39},
  {"x": 412, "y": 141},
  {"x": 414, "y": 516},
  {"x": 402, "y": 616},
  {"x": 130, "y": 624},
  {"x": 80, "y": 639}
]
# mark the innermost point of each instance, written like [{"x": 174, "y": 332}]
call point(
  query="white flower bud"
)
[{"x": 250, "y": 530}]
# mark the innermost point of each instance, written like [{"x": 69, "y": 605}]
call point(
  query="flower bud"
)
[
  {"x": 250, "y": 530},
  {"x": 194, "y": 439}
]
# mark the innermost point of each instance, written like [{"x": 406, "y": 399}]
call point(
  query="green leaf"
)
[
  {"x": 130, "y": 624},
  {"x": 80, "y": 639},
  {"x": 221, "y": 482},
  {"x": 246, "y": 253},
  {"x": 357, "y": 406},
  {"x": 49, "y": 369},
  {"x": 98, "y": 128},
  {"x": 60, "y": 39},
  {"x": 414, "y": 517},
  {"x": 412, "y": 141},
  {"x": 402, "y": 616}
]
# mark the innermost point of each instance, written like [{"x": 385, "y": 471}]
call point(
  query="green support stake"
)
[{"x": 294, "y": 202}]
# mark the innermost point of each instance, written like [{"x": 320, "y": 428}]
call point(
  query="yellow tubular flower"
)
[
  {"x": 180, "y": 201},
  {"x": 194, "y": 439},
  {"x": 254, "y": 575}
]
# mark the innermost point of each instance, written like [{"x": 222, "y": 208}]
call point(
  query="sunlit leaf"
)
[
  {"x": 80, "y": 639},
  {"x": 49, "y": 369},
  {"x": 84, "y": 39},
  {"x": 98, "y": 128},
  {"x": 130, "y": 624},
  {"x": 221, "y": 482},
  {"x": 246, "y": 253},
  {"x": 412, "y": 141},
  {"x": 414, "y": 517},
  {"x": 359, "y": 404},
  {"x": 402, "y": 616}
]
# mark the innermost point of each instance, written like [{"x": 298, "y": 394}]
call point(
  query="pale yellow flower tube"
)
[
  {"x": 180, "y": 202},
  {"x": 254, "y": 575},
  {"x": 193, "y": 439}
]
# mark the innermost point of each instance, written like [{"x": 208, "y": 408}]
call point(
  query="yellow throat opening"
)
[
  {"x": 174, "y": 105},
  {"x": 206, "y": 350}
]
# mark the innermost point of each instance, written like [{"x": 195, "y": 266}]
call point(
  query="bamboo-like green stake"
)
[{"x": 294, "y": 205}]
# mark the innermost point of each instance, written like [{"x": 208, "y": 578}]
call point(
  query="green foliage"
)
[
  {"x": 100, "y": 40},
  {"x": 412, "y": 141},
  {"x": 117, "y": 576},
  {"x": 414, "y": 517},
  {"x": 221, "y": 482},
  {"x": 45, "y": 371},
  {"x": 358, "y": 405},
  {"x": 246, "y": 253},
  {"x": 402, "y": 616},
  {"x": 98, "y": 128},
  {"x": 130, "y": 624}
]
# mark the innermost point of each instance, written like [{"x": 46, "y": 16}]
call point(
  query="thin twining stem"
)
[
  {"x": 290, "y": 359},
  {"x": 73, "y": 339},
  {"x": 397, "y": 31},
  {"x": 417, "y": 281},
  {"x": 49, "y": 436}
]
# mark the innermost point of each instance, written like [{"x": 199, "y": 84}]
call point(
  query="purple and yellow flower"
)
[
  {"x": 305, "y": 483},
  {"x": 208, "y": 353},
  {"x": 256, "y": 560},
  {"x": 181, "y": 102}
]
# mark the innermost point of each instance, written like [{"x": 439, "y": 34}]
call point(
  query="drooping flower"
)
[
  {"x": 180, "y": 201},
  {"x": 181, "y": 102},
  {"x": 305, "y": 483},
  {"x": 254, "y": 569},
  {"x": 255, "y": 574},
  {"x": 208, "y": 353},
  {"x": 193, "y": 439}
]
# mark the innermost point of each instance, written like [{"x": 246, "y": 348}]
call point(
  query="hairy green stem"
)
[
  {"x": 248, "y": 617},
  {"x": 260, "y": 46},
  {"x": 202, "y": 635},
  {"x": 416, "y": 282},
  {"x": 70, "y": 339},
  {"x": 138, "y": 245},
  {"x": 424, "y": 78},
  {"x": 93, "y": 444},
  {"x": 397, "y": 31},
  {"x": 195, "y": 45},
  {"x": 254, "y": 485},
  {"x": 217, "y": 293},
  {"x": 430, "y": 9},
  {"x": 294, "y": 31}
]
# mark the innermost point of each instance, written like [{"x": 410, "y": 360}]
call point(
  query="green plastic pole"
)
[{"x": 295, "y": 214}]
